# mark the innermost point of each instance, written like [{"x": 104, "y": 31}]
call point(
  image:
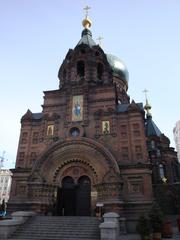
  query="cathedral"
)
[{"x": 91, "y": 148}]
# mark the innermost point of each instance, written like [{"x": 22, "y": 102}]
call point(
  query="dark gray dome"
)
[{"x": 118, "y": 67}]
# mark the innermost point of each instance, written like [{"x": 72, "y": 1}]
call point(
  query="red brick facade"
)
[{"x": 87, "y": 127}]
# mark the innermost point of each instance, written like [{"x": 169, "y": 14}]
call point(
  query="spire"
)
[
  {"x": 86, "y": 36},
  {"x": 151, "y": 128},
  {"x": 147, "y": 106}
]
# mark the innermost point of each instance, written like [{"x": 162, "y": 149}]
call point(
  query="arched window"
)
[
  {"x": 80, "y": 68},
  {"x": 158, "y": 153},
  {"x": 176, "y": 171},
  {"x": 100, "y": 69},
  {"x": 161, "y": 171},
  {"x": 153, "y": 145}
]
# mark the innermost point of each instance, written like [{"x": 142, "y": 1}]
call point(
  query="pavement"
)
[{"x": 176, "y": 236}]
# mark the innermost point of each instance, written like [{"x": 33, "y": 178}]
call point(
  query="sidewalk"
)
[{"x": 176, "y": 236}]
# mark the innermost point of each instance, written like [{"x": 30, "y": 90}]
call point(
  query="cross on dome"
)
[
  {"x": 86, "y": 9},
  {"x": 86, "y": 22}
]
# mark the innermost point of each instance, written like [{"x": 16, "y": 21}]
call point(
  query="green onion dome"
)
[{"x": 119, "y": 69}]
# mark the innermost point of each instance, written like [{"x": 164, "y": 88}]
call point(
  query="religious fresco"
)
[
  {"x": 50, "y": 130},
  {"x": 77, "y": 108},
  {"x": 105, "y": 127}
]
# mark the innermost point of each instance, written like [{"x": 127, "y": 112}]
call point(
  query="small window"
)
[
  {"x": 139, "y": 156},
  {"x": 136, "y": 187},
  {"x": 100, "y": 70},
  {"x": 123, "y": 131},
  {"x": 32, "y": 157},
  {"x": 161, "y": 171},
  {"x": 80, "y": 68},
  {"x": 74, "y": 132},
  {"x": 125, "y": 156},
  {"x": 21, "y": 156},
  {"x": 125, "y": 149},
  {"x": 136, "y": 126},
  {"x": 138, "y": 148},
  {"x": 153, "y": 145},
  {"x": 137, "y": 133},
  {"x": 158, "y": 153},
  {"x": 24, "y": 138},
  {"x": 35, "y": 138}
]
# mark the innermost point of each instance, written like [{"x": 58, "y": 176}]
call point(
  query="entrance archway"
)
[
  {"x": 74, "y": 199},
  {"x": 74, "y": 158}
]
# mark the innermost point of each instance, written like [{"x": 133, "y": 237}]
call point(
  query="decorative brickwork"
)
[{"x": 87, "y": 129}]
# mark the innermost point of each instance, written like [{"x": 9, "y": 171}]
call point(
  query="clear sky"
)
[{"x": 35, "y": 36}]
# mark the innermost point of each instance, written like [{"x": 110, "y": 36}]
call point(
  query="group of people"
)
[{"x": 3, "y": 209}]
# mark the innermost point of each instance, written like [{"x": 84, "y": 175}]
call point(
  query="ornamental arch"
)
[
  {"x": 83, "y": 161},
  {"x": 86, "y": 153}
]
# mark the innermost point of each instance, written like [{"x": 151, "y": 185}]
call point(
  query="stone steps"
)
[{"x": 58, "y": 228}]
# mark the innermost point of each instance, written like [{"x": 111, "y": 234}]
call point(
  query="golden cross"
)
[
  {"x": 86, "y": 9},
  {"x": 99, "y": 39}
]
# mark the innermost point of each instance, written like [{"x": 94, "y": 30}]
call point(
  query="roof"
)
[
  {"x": 86, "y": 38},
  {"x": 124, "y": 107},
  {"x": 151, "y": 128},
  {"x": 29, "y": 116},
  {"x": 37, "y": 116}
]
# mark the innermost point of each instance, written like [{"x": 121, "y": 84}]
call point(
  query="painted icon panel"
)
[
  {"x": 50, "y": 130},
  {"x": 105, "y": 127},
  {"x": 77, "y": 108}
]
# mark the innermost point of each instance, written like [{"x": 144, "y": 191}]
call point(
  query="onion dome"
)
[
  {"x": 119, "y": 69},
  {"x": 86, "y": 23}
]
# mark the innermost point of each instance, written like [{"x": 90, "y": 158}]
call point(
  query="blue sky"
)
[{"x": 36, "y": 35}]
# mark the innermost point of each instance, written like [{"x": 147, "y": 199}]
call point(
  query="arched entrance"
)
[
  {"x": 81, "y": 159},
  {"x": 74, "y": 199}
]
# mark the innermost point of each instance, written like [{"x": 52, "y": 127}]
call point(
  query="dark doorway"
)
[
  {"x": 74, "y": 200},
  {"x": 83, "y": 197},
  {"x": 66, "y": 197}
]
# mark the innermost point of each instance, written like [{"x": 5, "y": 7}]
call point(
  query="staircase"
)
[{"x": 60, "y": 228}]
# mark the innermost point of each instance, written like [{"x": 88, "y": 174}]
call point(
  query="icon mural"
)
[
  {"x": 50, "y": 130},
  {"x": 105, "y": 127},
  {"x": 77, "y": 108}
]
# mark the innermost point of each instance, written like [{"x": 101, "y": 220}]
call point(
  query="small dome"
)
[{"x": 118, "y": 67}]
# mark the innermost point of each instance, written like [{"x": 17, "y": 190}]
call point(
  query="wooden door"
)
[{"x": 83, "y": 197}]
